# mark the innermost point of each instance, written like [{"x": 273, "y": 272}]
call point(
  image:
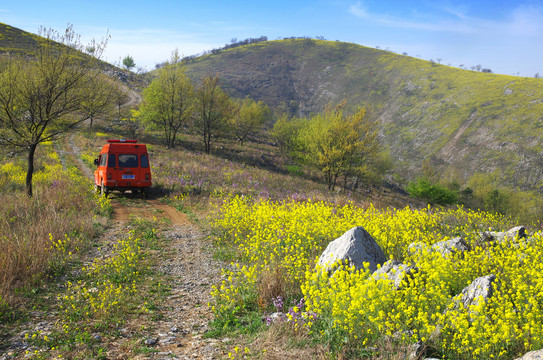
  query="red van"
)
[{"x": 122, "y": 165}]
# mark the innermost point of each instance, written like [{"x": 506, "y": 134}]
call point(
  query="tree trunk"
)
[
  {"x": 30, "y": 169},
  {"x": 173, "y": 140},
  {"x": 207, "y": 142},
  {"x": 328, "y": 178},
  {"x": 167, "y": 135}
]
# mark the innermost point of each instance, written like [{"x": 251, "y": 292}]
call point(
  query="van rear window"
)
[
  {"x": 111, "y": 160},
  {"x": 128, "y": 160}
]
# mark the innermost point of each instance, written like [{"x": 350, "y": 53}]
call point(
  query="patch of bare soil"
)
[{"x": 125, "y": 207}]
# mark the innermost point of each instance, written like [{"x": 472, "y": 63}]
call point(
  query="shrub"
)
[{"x": 432, "y": 193}]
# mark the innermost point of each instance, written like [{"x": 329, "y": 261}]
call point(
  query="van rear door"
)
[
  {"x": 145, "y": 170},
  {"x": 128, "y": 167}
]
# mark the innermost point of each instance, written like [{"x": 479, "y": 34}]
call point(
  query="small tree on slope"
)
[{"x": 42, "y": 97}]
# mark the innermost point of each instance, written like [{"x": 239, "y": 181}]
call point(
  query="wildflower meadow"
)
[{"x": 276, "y": 245}]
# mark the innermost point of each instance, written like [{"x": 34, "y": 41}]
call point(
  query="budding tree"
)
[
  {"x": 338, "y": 143},
  {"x": 168, "y": 102},
  {"x": 213, "y": 109},
  {"x": 248, "y": 117}
]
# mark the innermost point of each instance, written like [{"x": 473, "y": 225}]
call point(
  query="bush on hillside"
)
[{"x": 432, "y": 193}]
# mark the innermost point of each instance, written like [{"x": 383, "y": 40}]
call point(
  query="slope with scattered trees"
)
[{"x": 459, "y": 122}]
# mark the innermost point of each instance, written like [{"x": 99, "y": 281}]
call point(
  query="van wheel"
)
[{"x": 104, "y": 190}]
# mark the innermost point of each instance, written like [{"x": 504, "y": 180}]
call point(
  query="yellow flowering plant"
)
[{"x": 354, "y": 311}]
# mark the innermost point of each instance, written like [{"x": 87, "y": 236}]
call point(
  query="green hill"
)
[{"x": 460, "y": 122}]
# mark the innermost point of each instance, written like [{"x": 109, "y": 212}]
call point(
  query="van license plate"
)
[{"x": 128, "y": 176}]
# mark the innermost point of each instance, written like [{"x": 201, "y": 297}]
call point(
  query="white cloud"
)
[
  {"x": 524, "y": 20},
  {"x": 458, "y": 35},
  {"x": 360, "y": 11},
  {"x": 457, "y": 11}
]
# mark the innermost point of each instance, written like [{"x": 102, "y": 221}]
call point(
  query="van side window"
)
[
  {"x": 111, "y": 160},
  {"x": 128, "y": 160},
  {"x": 144, "y": 161},
  {"x": 103, "y": 159}
]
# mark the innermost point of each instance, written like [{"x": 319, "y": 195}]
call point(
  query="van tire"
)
[{"x": 104, "y": 190}]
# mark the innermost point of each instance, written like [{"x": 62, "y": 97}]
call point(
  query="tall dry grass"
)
[{"x": 38, "y": 234}]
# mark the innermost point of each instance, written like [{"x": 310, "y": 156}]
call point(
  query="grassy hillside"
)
[
  {"x": 460, "y": 122},
  {"x": 16, "y": 41}
]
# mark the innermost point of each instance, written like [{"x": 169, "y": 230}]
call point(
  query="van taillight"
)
[{"x": 147, "y": 177}]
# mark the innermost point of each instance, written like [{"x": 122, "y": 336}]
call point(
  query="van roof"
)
[
  {"x": 122, "y": 141},
  {"x": 119, "y": 147}
]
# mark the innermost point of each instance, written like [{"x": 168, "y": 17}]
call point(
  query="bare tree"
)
[
  {"x": 42, "y": 97},
  {"x": 120, "y": 97},
  {"x": 100, "y": 99}
]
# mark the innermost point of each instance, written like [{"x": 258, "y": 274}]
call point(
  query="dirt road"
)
[{"x": 179, "y": 334}]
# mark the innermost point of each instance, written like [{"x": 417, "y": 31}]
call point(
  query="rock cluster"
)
[{"x": 359, "y": 249}]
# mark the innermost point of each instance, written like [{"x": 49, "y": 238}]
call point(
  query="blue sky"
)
[{"x": 505, "y": 36}]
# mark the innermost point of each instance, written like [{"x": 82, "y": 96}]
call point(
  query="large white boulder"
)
[
  {"x": 532, "y": 355},
  {"x": 481, "y": 288},
  {"x": 357, "y": 246}
]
